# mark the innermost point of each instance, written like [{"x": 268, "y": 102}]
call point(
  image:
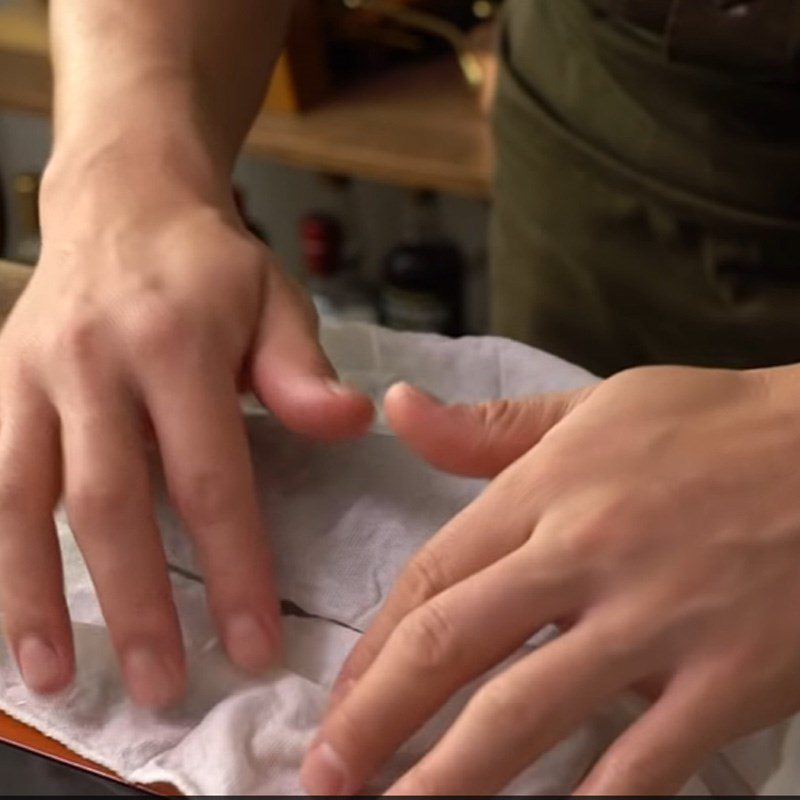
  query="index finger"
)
[
  {"x": 435, "y": 651},
  {"x": 475, "y": 538}
]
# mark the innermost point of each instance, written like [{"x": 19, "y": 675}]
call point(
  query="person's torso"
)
[{"x": 660, "y": 85}]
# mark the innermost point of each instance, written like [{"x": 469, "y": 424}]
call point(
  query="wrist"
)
[
  {"x": 146, "y": 127},
  {"x": 129, "y": 171}
]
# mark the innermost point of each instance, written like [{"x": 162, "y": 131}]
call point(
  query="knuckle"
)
[
  {"x": 744, "y": 666},
  {"x": 422, "y": 579},
  {"x": 621, "y": 623},
  {"x": 205, "y": 497},
  {"x": 93, "y": 501},
  {"x": 599, "y": 533},
  {"x": 247, "y": 254},
  {"x": 584, "y": 542},
  {"x": 499, "y": 708},
  {"x": 494, "y": 417},
  {"x": 625, "y": 643},
  {"x": 80, "y": 337},
  {"x": 158, "y": 329},
  {"x": 626, "y": 637},
  {"x": 497, "y": 412},
  {"x": 426, "y": 640}
]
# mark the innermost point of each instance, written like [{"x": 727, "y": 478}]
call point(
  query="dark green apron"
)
[{"x": 645, "y": 211}]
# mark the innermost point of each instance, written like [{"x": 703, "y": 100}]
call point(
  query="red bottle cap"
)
[{"x": 320, "y": 243}]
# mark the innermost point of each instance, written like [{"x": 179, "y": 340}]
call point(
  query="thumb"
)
[
  {"x": 292, "y": 376},
  {"x": 477, "y": 440}
]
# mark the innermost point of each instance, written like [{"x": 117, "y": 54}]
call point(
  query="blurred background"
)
[{"x": 367, "y": 170}]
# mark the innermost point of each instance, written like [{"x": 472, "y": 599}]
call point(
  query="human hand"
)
[
  {"x": 655, "y": 517},
  {"x": 150, "y": 307}
]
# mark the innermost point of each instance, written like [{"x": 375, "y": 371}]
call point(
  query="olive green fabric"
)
[{"x": 645, "y": 211}]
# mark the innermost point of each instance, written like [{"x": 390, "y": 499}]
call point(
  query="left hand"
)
[
  {"x": 655, "y": 517},
  {"x": 150, "y": 308}
]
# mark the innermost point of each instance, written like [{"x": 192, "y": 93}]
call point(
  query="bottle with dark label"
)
[
  {"x": 28, "y": 240},
  {"x": 336, "y": 288},
  {"x": 423, "y": 275}
]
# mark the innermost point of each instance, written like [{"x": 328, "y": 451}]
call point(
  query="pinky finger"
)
[{"x": 659, "y": 753}]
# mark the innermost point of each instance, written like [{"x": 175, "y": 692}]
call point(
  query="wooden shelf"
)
[
  {"x": 419, "y": 126},
  {"x": 416, "y": 127},
  {"x": 25, "y": 82}
]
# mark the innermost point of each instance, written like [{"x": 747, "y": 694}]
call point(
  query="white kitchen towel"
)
[{"x": 343, "y": 519}]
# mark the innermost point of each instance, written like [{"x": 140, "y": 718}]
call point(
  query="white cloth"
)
[{"x": 343, "y": 520}]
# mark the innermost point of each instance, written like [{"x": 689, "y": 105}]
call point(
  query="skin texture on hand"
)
[
  {"x": 655, "y": 517},
  {"x": 141, "y": 322},
  {"x": 150, "y": 308}
]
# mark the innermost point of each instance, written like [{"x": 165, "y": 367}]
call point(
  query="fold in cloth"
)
[{"x": 343, "y": 519}]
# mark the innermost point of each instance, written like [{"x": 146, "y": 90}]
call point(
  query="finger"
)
[
  {"x": 292, "y": 375},
  {"x": 661, "y": 751},
  {"x": 519, "y": 715},
  {"x": 461, "y": 548},
  {"x": 35, "y": 616},
  {"x": 478, "y": 440},
  {"x": 436, "y": 650},
  {"x": 110, "y": 508},
  {"x": 204, "y": 449}
]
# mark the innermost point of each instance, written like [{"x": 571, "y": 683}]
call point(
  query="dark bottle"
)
[{"x": 423, "y": 275}]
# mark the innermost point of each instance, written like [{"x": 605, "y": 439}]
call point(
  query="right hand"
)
[{"x": 150, "y": 307}]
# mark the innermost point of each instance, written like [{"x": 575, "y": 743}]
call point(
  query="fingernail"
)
[
  {"x": 337, "y": 387},
  {"x": 323, "y": 772},
  {"x": 248, "y": 642},
  {"x": 151, "y": 683},
  {"x": 421, "y": 393},
  {"x": 40, "y": 665}
]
